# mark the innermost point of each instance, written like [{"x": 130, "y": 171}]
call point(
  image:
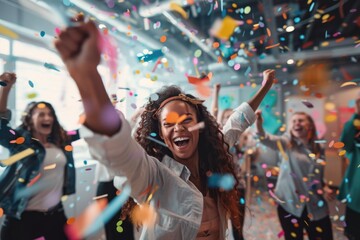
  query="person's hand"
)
[
  {"x": 268, "y": 77},
  {"x": 329, "y": 194},
  {"x": 79, "y": 49},
  {"x": 259, "y": 123},
  {"x": 8, "y": 79},
  {"x": 259, "y": 118},
  {"x": 217, "y": 87}
]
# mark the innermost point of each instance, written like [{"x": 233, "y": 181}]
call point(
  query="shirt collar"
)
[{"x": 179, "y": 169}]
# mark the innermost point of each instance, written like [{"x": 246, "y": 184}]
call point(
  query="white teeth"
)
[{"x": 181, "y": 139}]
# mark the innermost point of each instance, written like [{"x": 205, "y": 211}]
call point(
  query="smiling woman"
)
[
  {"x": 187, "y": 208},
  {"x": 40, "y": 173}
]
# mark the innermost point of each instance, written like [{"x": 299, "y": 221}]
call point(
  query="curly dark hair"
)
[
  {"x": 58, "y": 135},
  {"x": 214, "y": 152}
]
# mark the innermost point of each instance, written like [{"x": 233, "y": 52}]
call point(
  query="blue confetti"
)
[
  {"x": 109, "y": 212},
  {"x": 302, "y": 36},
  {"x": 320, "y": 203},
  {"x": 311, "y": 6},
  {"x": 67, "y": 3},
  {"x": 153, "y": 134},
  {"x": 295, "y": 82},
  {"x": 297, "y": 19},
  {"x": 85, "y": 162},
  {"x": 248, "y": 70},
  {"x": 51, "y": 66},
  {"x": 31, "y": 83},
  {"x": 42, "y": 33},
  {"x": 282, "y": 39},
  {"x": 157, "y": 141},
  {"x": 242, "y": 201},
  {"x": 225, "y": 181}
]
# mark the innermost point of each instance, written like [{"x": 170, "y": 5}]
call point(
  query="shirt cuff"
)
[
  {"x": 249, "y": 113},
  {"x": 102, "y": 147}
]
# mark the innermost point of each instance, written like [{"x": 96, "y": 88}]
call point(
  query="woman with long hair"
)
[
  {"x": 173, "y": 154},
  {"x": 32, "y": 185},
  {"x": 300, "y": 190}
]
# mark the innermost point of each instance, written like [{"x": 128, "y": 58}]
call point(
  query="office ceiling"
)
[{"x": 291, "y": 36}]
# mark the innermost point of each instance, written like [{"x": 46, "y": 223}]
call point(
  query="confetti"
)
[
  {"x": 42, "y": 33},
  {"x": 172, "y": 117},
  {"x": 198, "y": 126},
  {"x": 157, "y": 141},
  {"x": 34, "y": 180},
  {"x": 20, "y": 140},
  {"x": 31, "y": 84},
  {"x": 18, "y": 156},
  {"x": 338, "y": 145},
  {"x": 307, "y": 104},
  {"x": 51, "y": 166},
  {"x": 7, "y": 32},
  {"x": 109, "y": 212},
  {"x": 223, "y": 181},
  {"x": 101, "y": 196},
  {"x": 68, "y": 148},
  {"x": 275, "y": 197},
  {"x": 348, "y": 84},
  {"x": 342, "y": 153},
  {"x": 51, "y": 66},
  {"x": 177, "y": 8},
  {"x": 1, "y": 212},
  {"x": 119, "y": 228}
]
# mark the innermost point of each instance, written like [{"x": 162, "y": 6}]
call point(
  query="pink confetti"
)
[{"x": 281, "y": 234}]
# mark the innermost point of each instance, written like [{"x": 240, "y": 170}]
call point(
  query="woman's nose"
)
[{"x": 179, "y": 127}]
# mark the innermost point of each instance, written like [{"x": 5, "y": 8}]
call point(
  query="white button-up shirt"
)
[{"x": 178, "y": 203}]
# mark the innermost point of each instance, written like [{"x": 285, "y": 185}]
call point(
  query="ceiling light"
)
[{"x": 290, "y": 61}]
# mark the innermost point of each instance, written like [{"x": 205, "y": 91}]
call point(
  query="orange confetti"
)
[
  {"x": 82, "y": 119},
  {"x": 1, "y": 212},
  {"x": 216, "y": 44},
  {"x": 70, "y": 220},
  {"x": 272, "y": 46},
  {"x": 20, "y": 140},
  {"x": 68, "y": 148},
  {"x": 41, "y": 105},
  {"x": 268, "y": 32},
  {"x": 172, "y": 117},
  {"x": 163, "y": 39},
  {"x": 249, "y": 21},
  {"x": 339, "y": 145},
  {"x": 256, "y": 178},
  {"x": 181, "y": 118}
]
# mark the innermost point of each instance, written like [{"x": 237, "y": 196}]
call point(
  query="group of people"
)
[{"x": 186, "y": 206}]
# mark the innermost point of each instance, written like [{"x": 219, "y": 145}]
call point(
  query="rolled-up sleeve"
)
[
  {"x": 242, "y": 117},
  {"x": 123, "y": 155}
]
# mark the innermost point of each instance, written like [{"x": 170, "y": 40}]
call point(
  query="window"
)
[
  {"x": 40, "y": 54},
  {"x": 4, "y": 46},
  {"x": 49, "y": 85}
]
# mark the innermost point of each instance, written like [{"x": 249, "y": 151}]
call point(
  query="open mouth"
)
[
  {"x": 181, "y": 141},
  {"x": 46, "y": 125}
]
